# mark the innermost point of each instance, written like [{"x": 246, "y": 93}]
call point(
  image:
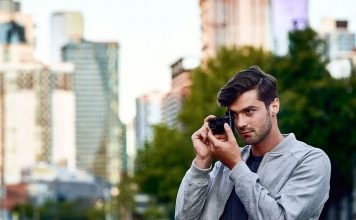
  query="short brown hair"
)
[{"x": 246, "y": 80}]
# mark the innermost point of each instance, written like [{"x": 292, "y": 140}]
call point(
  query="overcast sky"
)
[{"x": 152, "y": 35}]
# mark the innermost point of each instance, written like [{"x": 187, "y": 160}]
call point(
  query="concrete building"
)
[
  {"x": 65, "y": 27},
  {"x": 260, "y": 23},
  {"x": 234, "y": 23},
  {"x": 29, "y": 91},
  {"x": 9, "y": 6},
  {"x": 97, "y": 126},
  {"x": 339, "y": 40},
  {"x": 16, "y": 33},
  {"x": 181, "y": 82},
  {"x": 148, "y": 113},
  {"x": 340, "y": 45},
  {"x": 131, "y": 149}
]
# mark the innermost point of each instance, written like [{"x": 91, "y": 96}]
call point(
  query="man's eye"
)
[{"x": 249, "y": 111}]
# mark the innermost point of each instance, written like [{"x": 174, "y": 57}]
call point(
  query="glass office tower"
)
[{"x": 98, "y": 130}]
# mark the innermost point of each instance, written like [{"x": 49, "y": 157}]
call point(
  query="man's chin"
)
[{"x": 249, "y": 141}]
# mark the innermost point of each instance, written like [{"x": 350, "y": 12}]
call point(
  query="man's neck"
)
[{"x": 268, "y": 143}]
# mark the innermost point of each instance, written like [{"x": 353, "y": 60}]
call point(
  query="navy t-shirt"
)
[{"x": 234, "y": 209}]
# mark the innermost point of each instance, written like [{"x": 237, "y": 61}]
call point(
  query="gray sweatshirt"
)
[{"x": 292, "y": 182}]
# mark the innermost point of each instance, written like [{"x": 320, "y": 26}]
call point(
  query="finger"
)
[
  {"x": 209, "y": 117},
  {"x": 204, "y": 131},
  {"x": 212, "y": 138},
  {"x": 203, "y": 135},
  {"x": 208, "y": 144},
  {"x": 195, "y": 135},
  {"x": 228, "y": 132}
]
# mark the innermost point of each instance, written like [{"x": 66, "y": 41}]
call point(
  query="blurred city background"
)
[{"x": 98, "y": 100}]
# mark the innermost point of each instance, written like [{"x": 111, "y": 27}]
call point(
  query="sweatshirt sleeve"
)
[
  {"x": 193, "y": 192},
  {"x": 302, "y": 196}
]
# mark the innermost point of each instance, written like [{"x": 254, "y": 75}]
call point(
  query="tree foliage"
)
[
  {"x": 319, "y": 109},
  {"x": 66, "y": 210},
  {"x": 161, "y": 166}
]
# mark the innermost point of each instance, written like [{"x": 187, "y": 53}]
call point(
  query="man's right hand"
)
[{"x": 203, "y": 157}]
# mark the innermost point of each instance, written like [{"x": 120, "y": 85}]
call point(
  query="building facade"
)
[
  {"x": 234, "y": 23},
  {"x": 28, "y": 92},
  {"x": 181, "y": 82},
  {"x": 257, "y": 23},
  {"x": 148, "y": 113},
  {"x": 97, "y": 126},
  {"x": 340, "y": 46}
]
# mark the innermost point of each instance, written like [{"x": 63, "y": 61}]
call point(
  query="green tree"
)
[
  {"x": 316, "y": 107},
  {"x": 125, "y": 199},
  {"x": 161, "y": 166},
  {"x": 66, "y": 210}
]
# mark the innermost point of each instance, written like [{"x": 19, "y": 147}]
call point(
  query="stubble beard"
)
[{"x": 259, "y": 134}]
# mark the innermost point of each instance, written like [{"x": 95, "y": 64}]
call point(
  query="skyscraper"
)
[
  {"x": 339, "y": 40},
  {"x": 27, "y": 86},
  {"x": 148, "y": 113},
  {"x": 234, "y": 23},
  {"x": 181, "y": 82},
  {"x": 98, "y": 130},
  {"x": 65, "y": 27},
  {"x": 286, "y": 15},
  {"x": 9, "y": 6},
  {"x": 340, "y": 45},
  {"x": 28, "y": 92},
  {"x": 16, "y": 33}
]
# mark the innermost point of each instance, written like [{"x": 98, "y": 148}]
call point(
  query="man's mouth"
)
[{"x": 245, "y": 133}]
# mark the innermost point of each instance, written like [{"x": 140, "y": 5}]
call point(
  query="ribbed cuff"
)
[{"x": 198, "y": 175}]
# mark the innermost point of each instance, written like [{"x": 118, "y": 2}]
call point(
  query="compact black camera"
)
[{"x": 217, "y": 124}]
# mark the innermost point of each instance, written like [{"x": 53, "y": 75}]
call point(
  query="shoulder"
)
[{"x": 307, "y": 154}]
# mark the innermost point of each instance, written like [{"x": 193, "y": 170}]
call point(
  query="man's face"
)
[{"x": 252, "y": 119}]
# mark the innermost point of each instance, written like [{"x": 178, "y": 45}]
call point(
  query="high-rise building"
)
[
  {"x": 286, "y": 15},
  {"x": 258, "y": 23},
  {"x": 65, "y": 27},
  {"x": 131, "y": 149},
  {"x": 28, "y": 93},
  {"x": 63, "y": 115},
  {"x": 97, "y": 126},
  {"x": 234, "y": 23},
  {"x": 340, "y": 45},
  {"x": 9, "y": 6},
  {"x": 148, "y": 113},
  {"x": 16, "y": 33},
  {"x": 181, "y": 82},
  {"x": 339, "y": 40}
]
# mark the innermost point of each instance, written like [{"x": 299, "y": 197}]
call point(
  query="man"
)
[{"x": 273, "y": 177}]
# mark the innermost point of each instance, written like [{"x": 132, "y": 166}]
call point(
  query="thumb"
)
[{"x": 228, "y": 131}]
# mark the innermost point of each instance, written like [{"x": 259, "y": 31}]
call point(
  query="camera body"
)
[{"x": 217, "y": 124}]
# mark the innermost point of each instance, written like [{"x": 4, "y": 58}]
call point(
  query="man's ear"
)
[{"x": 274, "y": 107}]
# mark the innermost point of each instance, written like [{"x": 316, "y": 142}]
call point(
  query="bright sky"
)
[{"x": 152, "y": 35}]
